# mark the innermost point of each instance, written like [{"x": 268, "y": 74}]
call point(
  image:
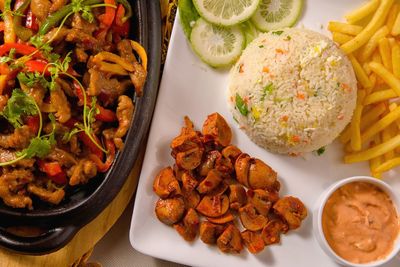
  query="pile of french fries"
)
[{"x": 371, "y": 39}]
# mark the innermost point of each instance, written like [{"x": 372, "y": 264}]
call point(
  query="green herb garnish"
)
[
  {"x": 267, "y": 90},
  {"x": 241, "y": 105},
  {"x": 19, "y": 104},
  {"x": 277, "y": 32},
  {"x": 321, "y": 151}
]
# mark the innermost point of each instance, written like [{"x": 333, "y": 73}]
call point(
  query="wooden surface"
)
[{"x": 86, "y": 238}]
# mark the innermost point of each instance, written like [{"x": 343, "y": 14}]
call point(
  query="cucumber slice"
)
[
  {"x": 215, "y": 45},
  {"x": 277, "y": 14},
  {"x": 226, "y": 12}
]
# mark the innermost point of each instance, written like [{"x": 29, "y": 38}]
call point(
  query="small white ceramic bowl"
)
[{"x": 317, "y": 220}]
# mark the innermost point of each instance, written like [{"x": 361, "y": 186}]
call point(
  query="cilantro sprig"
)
[{"x": 19, "y": 104}]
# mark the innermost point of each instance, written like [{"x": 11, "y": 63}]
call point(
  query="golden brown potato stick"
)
[
  {"x": 360, "y": 73},
  {"x": 362, "y": 12},
  {"x": 335, "y": 26},
  {"x": 375, "y": 162},
  {"x": 341, "y": 38},
  {"x": 372, "y": 43},
  {"x": 367, "y": 119},
  {"x": 355, "y": 141},
  {"x": 373, "y": 152},
  {"x": 396, "y": 26},
  {"x": 386, "y": 134},
  {"x": 381, "y": 124},
  {"x": 376, "y": 22},
  {"x": 392, "y": 16},
  {"x": 379, "y": 96},
  {"x": 388, "y": 165},
  {"x": 396, "y": 60},
  {"x": 387, "y": 76},
  {"x": 386, "y": 53}
]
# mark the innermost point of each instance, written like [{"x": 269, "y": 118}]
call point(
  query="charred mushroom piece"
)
[
  {"x": 237, "y": 196},
  {"x": 165, "y": 185},
  {"x": 231, "y": 152},
  {"x": 260, "y": 200},
  {"x": 178, "y": 172},
  {"x": 224, "y": 165},
  {"x": 230, "y": 241},
  {"x": 209, "y": 162},
  {"x": 213, "y": 206},
  {"x": 188, "y": 139},
  {"x": 190, "y": 159},
  {"x": 191, "y": 198},
  {"x": 170, "y": 211},
  {"x": 250, "y": 219},
  {"x": 220, "y": 189},
  {"x": 292, "y": 210},
  {"x": 272, "y": 231},
  {"x": 253, "y": 241},
  {"x": 261, "y": 176},
  {"x": 189, "y": 227},
  {"x": 227, "y": 217},
  {"x": 216, "y": 128},
  {"x": 209, "y": 232},
  {"x": 189, "y": 183},
  {"x": 242, "y": 167},
  {"x": 212, "y": 180}
]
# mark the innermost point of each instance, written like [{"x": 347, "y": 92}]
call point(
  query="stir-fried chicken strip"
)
[
  {"x": 20, "y": 138},
  {"x": 82, "y": 172},
  {"x": 61, "y": 104},
  {"x": 124, "y": 114},
  {"x": 11, "y": 184},
  {"x": 56, "y": 5},
  {"x": 3, "y": 102},
  {"x": 53, "y": 197},
  {"x": 7, "y": 155}
]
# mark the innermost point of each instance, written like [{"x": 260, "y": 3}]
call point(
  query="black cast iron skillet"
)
[{"x": 84, "y": 204}]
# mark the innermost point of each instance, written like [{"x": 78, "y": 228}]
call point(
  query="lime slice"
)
[
  {"x": 217, "y": 46},
  {"x": 226, "y": 12},
  {"x": 277, "y": 14}
]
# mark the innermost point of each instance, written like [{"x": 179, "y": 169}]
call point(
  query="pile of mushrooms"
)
[{"x": 215, "y": 179}]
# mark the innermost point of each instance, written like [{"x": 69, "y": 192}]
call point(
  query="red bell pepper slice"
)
[
  {"x": 23, "y": 49},
  {"x": 103, "y": 167},
  {"x": 31, "y": 22},
  {"x": 1, "y": 26},
  {"x": 37, "y": 66},
  {"x": 105, "y": 115},
  {"x": 89, "y": 143},
  {"x": 53, "y": 171},
  {"x": 4, "y": 69},
  {"x": 107, "y": 18},
  {"x": 33, "y": 123}
]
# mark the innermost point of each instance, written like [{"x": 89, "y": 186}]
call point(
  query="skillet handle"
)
[{"x": 49, "y": 241}]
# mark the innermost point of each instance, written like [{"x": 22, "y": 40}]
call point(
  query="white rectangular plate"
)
[{"x": 191, "y": 88}]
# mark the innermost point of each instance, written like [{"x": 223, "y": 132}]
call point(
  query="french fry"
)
[
  {"x": 379, "y": 96},
  {"x": 341, "y": 38},
  {"x": 366, "y": 68},
  {"x": 376, "y": 56},
  {"x": 372, "y": 43},
  {"x": 388, "y": 165},
  {"x": 386, "y": 53},
  {"x": 360, "y": 73},
  {"x": 396, "y": 60},
  {"x": 367, "y": 119},
  {"x": 392, "y": 42},
  {"x": 392, "y": 107},
  {"x": 373, "y": 152},
  {"x": 396, "y": 26},
  {"x": 362, "y": 12},
  {"x": 387, "y": 76},
  {"x": 335, "y": 26},
  {"x": 386, "y": 134},
  {"x": 376, "y": 22},
  {"x": 377, "y": 127},
  {"x": 391, "y": 18},
  {"x": 355, "y": 126},
  {"x": 372, "y": 78},
  {"x": 375, "y": 162}
]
